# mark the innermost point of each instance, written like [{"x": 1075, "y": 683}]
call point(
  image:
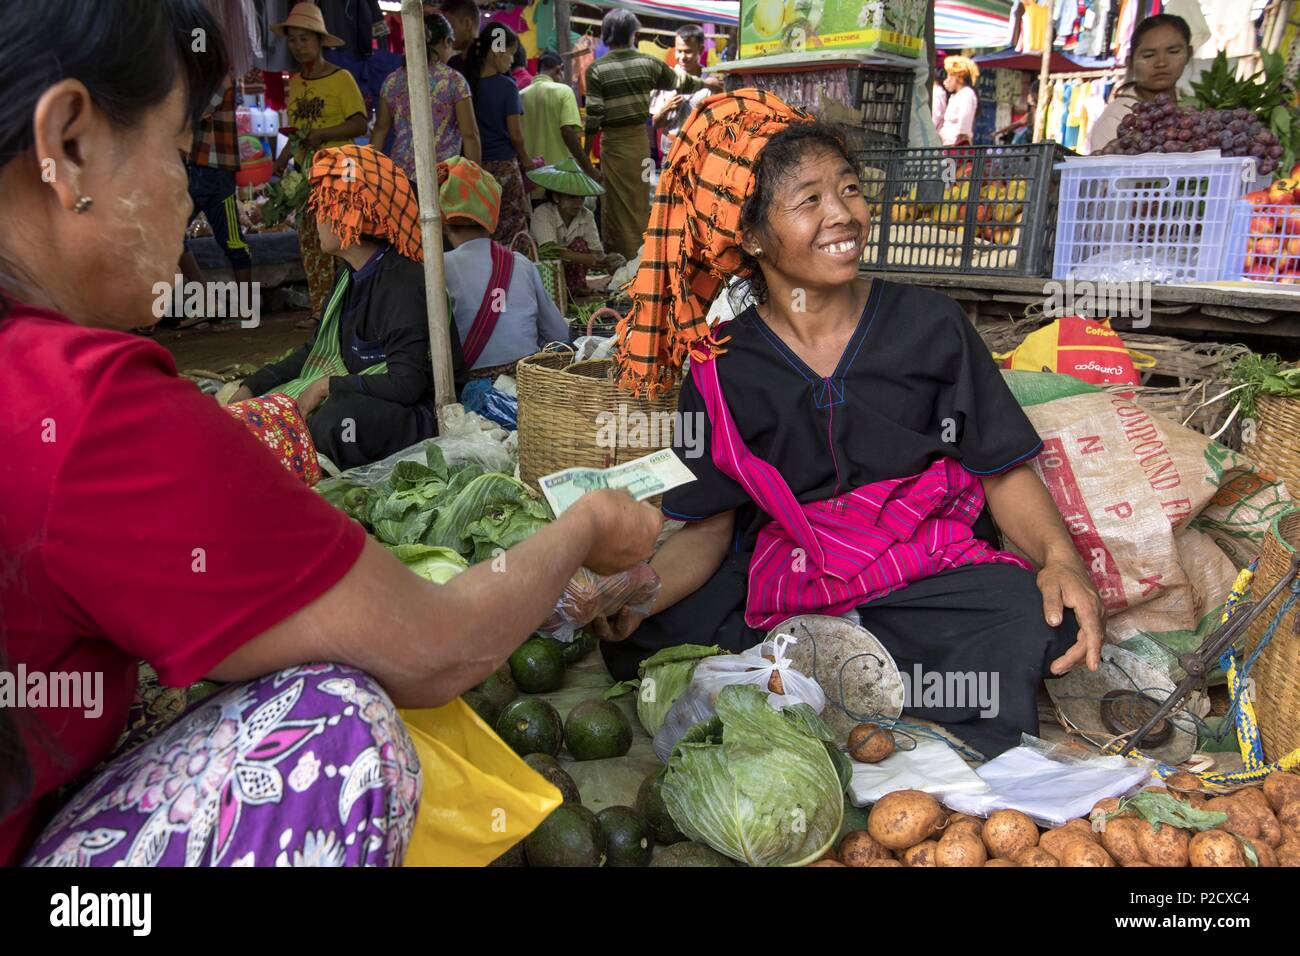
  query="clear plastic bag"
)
[
  {"x": 588, "y": 596},
  {"x": 764, "y": 665}
]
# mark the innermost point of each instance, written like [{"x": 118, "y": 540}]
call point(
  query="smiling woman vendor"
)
[{"x": 856, "y": 429}]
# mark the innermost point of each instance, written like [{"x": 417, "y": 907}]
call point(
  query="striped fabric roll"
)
[{"x": 827, "y": 557}]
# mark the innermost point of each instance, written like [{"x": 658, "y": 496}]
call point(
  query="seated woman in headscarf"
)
[
  {"x": 565, "y": 223},
  {"x": 501, "y": 307},
  {"x": 853, "y": 429},
  {"x": 363, "y": 379}
]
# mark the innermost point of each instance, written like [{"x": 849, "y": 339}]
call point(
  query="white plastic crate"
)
[{"x": 1155, "y": 218}]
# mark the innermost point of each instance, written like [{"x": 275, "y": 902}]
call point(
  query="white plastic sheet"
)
[{"x": 932, "y": 767}]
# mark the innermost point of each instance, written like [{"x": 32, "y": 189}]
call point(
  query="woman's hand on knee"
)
[{"x": 1066, "y": 584}]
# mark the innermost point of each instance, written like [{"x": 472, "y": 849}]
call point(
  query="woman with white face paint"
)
[{"x": 210, "y": 560}]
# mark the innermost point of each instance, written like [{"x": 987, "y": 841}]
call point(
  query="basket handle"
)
[
  {"x": 591, "y": 319},
  {"x": 536, "y": 257}
]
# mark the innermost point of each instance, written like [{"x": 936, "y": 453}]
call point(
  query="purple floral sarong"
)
[{"x": 311, "y": 766}]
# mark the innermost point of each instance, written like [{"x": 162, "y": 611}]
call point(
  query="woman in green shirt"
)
[{"x": 325, "y": 102}]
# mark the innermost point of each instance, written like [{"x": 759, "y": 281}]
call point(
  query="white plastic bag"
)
[
  {"x": 784, "y": 684},
  {"x": 1051, "y": 784}
]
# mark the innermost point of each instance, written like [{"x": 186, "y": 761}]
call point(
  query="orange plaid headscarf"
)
[
  {"x": 692, "y": 245},
  {"x": 361, "y": 191}
]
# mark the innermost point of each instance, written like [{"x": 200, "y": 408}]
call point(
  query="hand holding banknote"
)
[{"x": 642, "y": 478}]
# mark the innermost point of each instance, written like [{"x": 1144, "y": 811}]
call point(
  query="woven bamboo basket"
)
[
  {"x": 1277, "y": 671},
  {"x": 1277, "y": 439},
  {"x": 574, "y": 416}
]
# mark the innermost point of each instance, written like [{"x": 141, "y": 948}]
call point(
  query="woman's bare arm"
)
[
  {"x": 1028, "y": 516},
  {"x": 426, "y": 643},
  {"x": 471, "y": 144}
]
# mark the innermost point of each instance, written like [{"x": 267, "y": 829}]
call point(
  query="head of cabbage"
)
[
  {"x": 665, "y": 676},
  {"x": 438, "y": 565},
  {"x": 756, "y": 784}
]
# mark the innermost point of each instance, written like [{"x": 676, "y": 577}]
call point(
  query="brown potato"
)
[
  {"x": 1179, "y": 783},
  {"x": 1109, "y": 805},
  {"x": 960, "y": 849},
  {"x": 1084, "y": 827},
  {"x": 859, "y": 849},
  {"x": 1288, "y": 854},
  {"x": 1037, "y": 856},
  {"x": 1242, "y": 819},
  {"x": 1264, "y": 853},
  {"x": 922, "y": 854},
  {"x": 1281, "y": 787},
  {"x": 870, "y": 743},
  {"x": 1217, "y": 848},
  {"x": 1120, "y": 838},
  {"x": 890, "y": 862},
  {"x": 1001, "y": 863},
  {"x": 1138, "y": 863},
  {"x": 1253, "y": 796},
  {"x": 1055, "y": 841},
  {"x": 1164, "y": 847},
  {"x": 1083, "y": 853},
  {"x": 1288, "y": 815},
  {"x": 904, "y": 818},
  {"x": 1008, "y": 833},
  {"x": 826, "y": 862},
  {"x": 1196, "y": 801}
]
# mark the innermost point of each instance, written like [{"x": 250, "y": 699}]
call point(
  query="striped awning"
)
[{"x": 979, "y": 24}]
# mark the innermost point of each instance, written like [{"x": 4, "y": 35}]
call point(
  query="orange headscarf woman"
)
[
  {"x": 845, "y": 435},
  {"x": 363, "y": 378}
]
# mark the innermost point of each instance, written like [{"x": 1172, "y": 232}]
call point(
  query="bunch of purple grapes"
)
[{"x": 1162, "y": 126}]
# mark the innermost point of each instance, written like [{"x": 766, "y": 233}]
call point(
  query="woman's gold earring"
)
[{"x": 83, "y": 204}]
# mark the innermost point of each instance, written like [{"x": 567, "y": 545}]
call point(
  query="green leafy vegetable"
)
[
  {"x": 754, "y": 783},
  {"x": 665, "y": 677},
  {"x": 491, "y": 511},
  {"x": 438, "y": 565},
  {"x": 1262, "y": 375},
  {"x": 1157, "y": 808}
]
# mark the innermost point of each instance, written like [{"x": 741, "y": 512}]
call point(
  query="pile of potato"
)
[{"x": 911, "y": 828}]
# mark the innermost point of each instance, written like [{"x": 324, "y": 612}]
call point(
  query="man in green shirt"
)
[
  {"x": 552, "y": 125},
  {"x": 619, "y": 86}
]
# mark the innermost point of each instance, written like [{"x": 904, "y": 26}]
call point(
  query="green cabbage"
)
[
  {"x": 756, "y": 784},
  {"x": 665, "y": 677},
  {"x": 438, "y": 565}
]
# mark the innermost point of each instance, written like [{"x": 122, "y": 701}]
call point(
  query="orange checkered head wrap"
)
[
  {"x": 693, "y": 244},
  {"x": 360, "y": 191}
]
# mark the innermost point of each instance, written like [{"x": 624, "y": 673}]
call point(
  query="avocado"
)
[
  {"x": 570, "y": 836},
  {"x": 499, "y": 688},
  {"x": 627, "y": 837},
  {"x": 481, "y": 705},
  {"x": 531, "y": 726},
  {"x": 555, "y": 775},
  {"x": 538, "y": 665},
  {"x": 691, "y": 854},
  {"x": 582, "y": 644},
  {"x": 512, "y": 857},
  {"x": 650, "y": 803},
  {"x": 597, "y": 729}
]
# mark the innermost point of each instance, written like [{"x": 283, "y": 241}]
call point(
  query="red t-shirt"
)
[{"x": 138, "y": 521}]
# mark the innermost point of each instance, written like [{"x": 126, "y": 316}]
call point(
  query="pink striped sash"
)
[{"x": 828, "y": 556}]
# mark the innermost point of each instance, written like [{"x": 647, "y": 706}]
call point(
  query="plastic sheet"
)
[
  {"x": 1050, "y": 783},
  {"x": 588, "y": 596},
  {"x": 784, "y": 684},
  {"x": 932, "y": 766}
]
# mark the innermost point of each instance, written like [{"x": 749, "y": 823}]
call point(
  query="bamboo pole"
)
[
  {"x": 426, "y": 179},
  {"x": 1040, "y": 109}
]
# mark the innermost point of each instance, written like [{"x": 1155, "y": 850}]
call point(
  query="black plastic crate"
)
[
  {"x": 881, "y": 98},
  {"x": 982, "y": 210}
]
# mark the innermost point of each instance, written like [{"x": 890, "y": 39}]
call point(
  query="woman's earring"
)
[{"x": 83, "y": 204}]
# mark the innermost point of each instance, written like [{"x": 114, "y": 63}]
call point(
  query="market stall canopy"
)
[
  {"x": 971, "y": 24},
  {"x": 722, "y": 12},
  {"x": 1032, "y": 62}
]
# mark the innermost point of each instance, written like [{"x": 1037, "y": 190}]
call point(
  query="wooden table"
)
[{"x": 1217, "y": 310}]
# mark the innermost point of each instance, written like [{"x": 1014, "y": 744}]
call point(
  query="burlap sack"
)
[{"x": 1162, "y": 516}]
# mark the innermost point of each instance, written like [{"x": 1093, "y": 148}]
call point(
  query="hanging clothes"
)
[
  {"x": 1033, "y": 37},
  {"x": 1074, "y": 119}
]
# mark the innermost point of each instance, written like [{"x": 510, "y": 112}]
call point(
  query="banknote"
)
[{"x": 642, "y": 478}]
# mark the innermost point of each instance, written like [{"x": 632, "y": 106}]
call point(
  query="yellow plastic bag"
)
[{"x": 479, "y": 798}]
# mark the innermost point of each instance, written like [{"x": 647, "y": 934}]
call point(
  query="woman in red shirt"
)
[{"x": 140, "y": 521}]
